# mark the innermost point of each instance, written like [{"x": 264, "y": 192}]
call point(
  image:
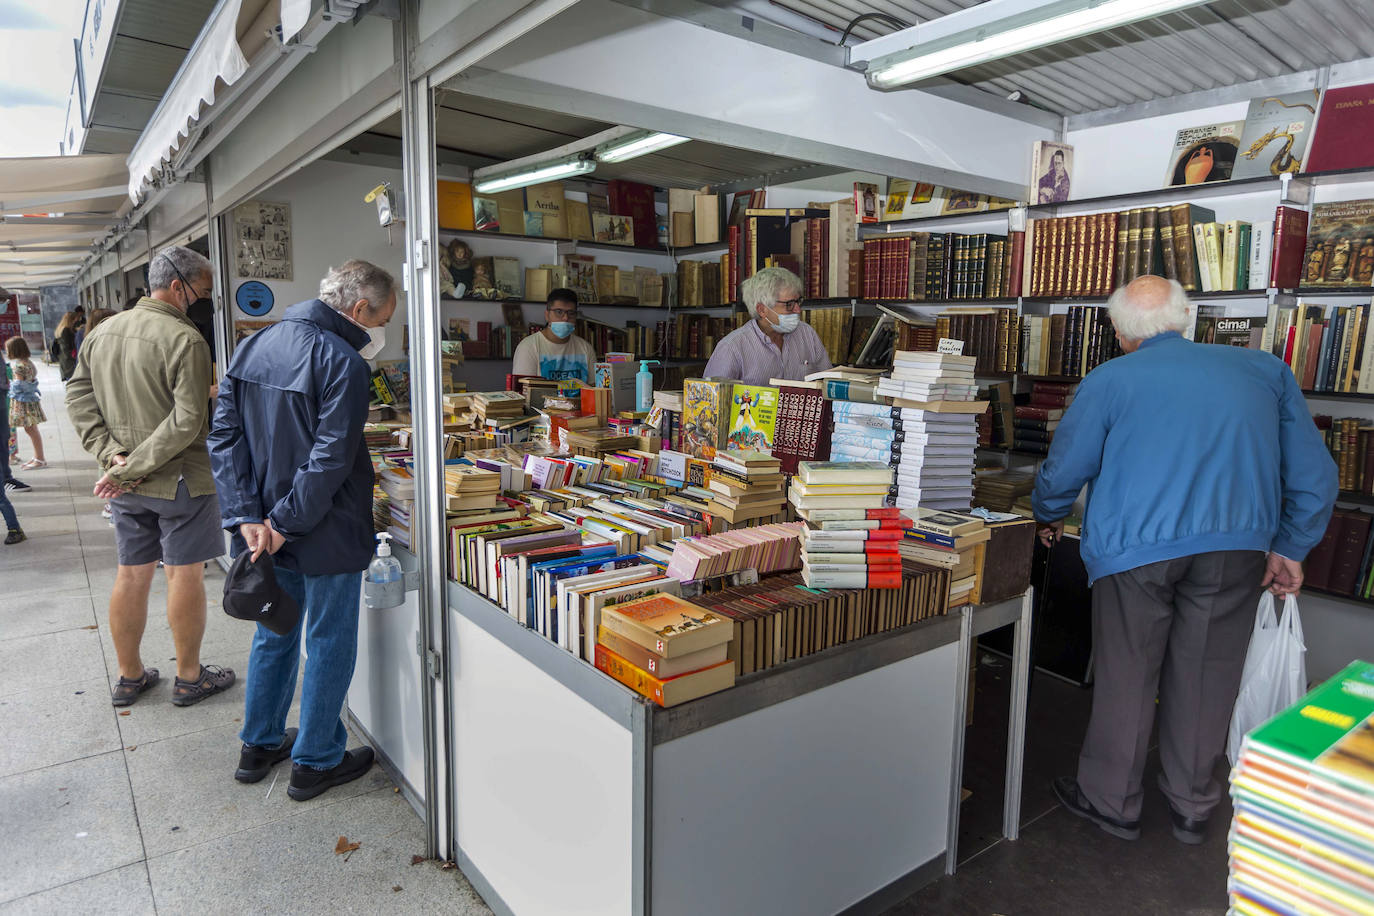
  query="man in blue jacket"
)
[
  {"x": 1207, "y": 482},
  {"x": 294, "y": 479}
]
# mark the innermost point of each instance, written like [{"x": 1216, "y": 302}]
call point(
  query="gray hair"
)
[
  {"x": 177, "y": 263},
  {"x": 1148, "y": 306},
  {"x": 353, "y": 280},
  {"x": 766, "y": 286}
]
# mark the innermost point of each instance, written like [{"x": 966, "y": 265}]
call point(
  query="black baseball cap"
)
[{"x": 251, "y": 592}]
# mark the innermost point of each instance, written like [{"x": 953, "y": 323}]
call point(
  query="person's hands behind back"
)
[
  {"x": 108, "y": 488},
  {"x": 260, "y": 537},
  {"x": 1282, "y": 576}
]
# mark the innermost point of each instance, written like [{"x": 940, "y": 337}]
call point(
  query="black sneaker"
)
[
  {"x": 1071, "y": 797},
  {"x": 307, "y": 782},
  {"x": 15, "y": 536},
  {"x": 14, "y": 483},
  {"x": 257, "y": 762}
]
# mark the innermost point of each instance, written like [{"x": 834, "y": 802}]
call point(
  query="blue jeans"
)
[
  {"x": 6, "y": 508},
  {"x": 329, "y": 616}
]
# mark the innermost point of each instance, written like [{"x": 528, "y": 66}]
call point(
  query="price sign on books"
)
[{"x": 950, "y": 347}]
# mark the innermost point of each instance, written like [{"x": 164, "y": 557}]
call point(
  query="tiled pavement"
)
[{"x": 139, "y": 813}]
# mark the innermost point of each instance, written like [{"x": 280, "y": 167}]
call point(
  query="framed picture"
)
[
  {"x": 1051, "y": 166},
  {"x": 262, "y": 241}
]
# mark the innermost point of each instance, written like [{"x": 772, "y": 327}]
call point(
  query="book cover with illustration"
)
[
  {"x": 753, "y": 418},
  {"x": 867, "y": 202},
  {"x": 580, "y": 270},
  {"x": 1276, "y": 135},
  {"x": 1051, "y": 167},
  {"x": 1204, "y": 154},
  {"x": 911, "y": 199},
  {"x": 702, "y": 402},
  {"x": 611, "y": 229},
  {"x": 1340, "y": 245}
]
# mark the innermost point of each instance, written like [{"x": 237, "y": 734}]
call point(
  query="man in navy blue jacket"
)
[
  {"x": 1207, "y": 482},
  {"x": 294, "y": 479}
]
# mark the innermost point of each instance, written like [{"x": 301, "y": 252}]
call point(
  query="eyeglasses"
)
[
  {"x": 564, "y": 314},
  {"x": 788, "y": 305}
]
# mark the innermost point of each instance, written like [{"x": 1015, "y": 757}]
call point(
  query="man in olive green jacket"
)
[{"x": 139, "y": 399}]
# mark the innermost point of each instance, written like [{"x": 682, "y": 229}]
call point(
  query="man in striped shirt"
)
[{"x": 777, "y": 343}]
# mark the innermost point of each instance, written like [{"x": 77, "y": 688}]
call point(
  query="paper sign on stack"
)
[
  {"x": 746, "y": 486},
  {"x": 835, "y": 552}
]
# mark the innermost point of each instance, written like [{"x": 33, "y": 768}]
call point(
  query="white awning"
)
[
  {"x": 52, "y": 210},
  {"x": 235, "y": 32}
]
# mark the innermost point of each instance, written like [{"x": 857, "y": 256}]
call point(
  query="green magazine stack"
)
[{"x": 1302, "y": 838}]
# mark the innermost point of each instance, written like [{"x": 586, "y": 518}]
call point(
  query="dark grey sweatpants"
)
[{"x": 1177, "y": 629}]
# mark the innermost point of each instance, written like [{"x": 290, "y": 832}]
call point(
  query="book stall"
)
[{"x": 645, "y": 608}]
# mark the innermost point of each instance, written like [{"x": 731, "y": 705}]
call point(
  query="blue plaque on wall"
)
[{"x": 254, "y": 298}]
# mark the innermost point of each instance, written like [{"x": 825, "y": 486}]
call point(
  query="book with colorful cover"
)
[
  {"x": 1340, "y": 245},
  {"x": 1204, "y": 154},
  {"x": 705, "y": 410},
  {"x": 753, "y": 418},
  {"x": 1276, "y": 134}
]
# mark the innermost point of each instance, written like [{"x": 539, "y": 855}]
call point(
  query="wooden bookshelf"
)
[{"x": 583, "y": 243}]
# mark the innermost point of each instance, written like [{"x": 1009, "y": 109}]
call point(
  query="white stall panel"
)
[
  {"x": 544, "y": 783},
  {"x": 385, "y": 694},
  {"x": 860, "y": 799}
]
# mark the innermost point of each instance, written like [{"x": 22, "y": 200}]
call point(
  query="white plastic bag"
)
[{"x": 1275, "y": 675}]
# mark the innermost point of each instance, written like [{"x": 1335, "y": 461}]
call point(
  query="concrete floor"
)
[{"x": 139, "y": 813}]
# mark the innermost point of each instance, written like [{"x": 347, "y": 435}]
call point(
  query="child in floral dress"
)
[{"x": 26, "y": 406}]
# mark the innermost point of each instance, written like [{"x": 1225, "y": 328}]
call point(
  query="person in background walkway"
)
[
  {"x": 26, "y": 405},
  {"x": 1208, "y": 482},
  {"x": 14, "y": 533},
  {"x": 64, "y": 343},
  {"x": 295, "y": 480},
  {"x": 777, "y": 343},
  {"x": 138, "y": 403}
]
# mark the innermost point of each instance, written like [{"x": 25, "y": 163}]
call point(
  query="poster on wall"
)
[
  {"x": 246, "y": 329},
  {"x": 262, "y": 241}
]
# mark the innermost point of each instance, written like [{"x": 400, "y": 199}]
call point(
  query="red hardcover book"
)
[
  {"x": 1290, "y": 241},
  {"x": 1349, "y": 553},
  {"x": 630, "y": 198},
  {"x": 1026, "y": 412},
  {"x": 1344, "y": 136}
]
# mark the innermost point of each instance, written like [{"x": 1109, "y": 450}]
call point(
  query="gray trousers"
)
[{"x": 1177, "y": 630}]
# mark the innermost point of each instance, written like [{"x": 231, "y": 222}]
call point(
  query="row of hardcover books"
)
[
  {"x": 1351, "y": 443},
  {"x": 936, "y": 266},
  {"x": 1341, "y": 560}
]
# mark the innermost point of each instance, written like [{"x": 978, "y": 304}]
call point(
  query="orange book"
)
[
  {"x": 667, "y": 625},
  {"x": 666, "y": 691},
  {"x": 454, "y": 203}
]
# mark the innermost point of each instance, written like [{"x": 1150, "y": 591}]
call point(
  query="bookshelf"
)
[
  {"x": 570, "y": 246},
  {"x": 1338, "y": 396}
]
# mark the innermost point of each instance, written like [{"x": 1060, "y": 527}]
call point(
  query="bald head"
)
[{"x": 1147, "y": 307}]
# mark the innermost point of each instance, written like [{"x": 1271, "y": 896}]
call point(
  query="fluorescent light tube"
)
[
  {"x": 638, "y": 145},
  {"x": 534, "y": 175},
  {"x": 1059, "y": 22}
]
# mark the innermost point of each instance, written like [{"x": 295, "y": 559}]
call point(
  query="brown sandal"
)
[
  {"x": 126, "y": 690},
  {"x": 211, "y": 681}
]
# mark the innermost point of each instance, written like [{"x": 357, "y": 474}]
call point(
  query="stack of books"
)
[
  {"x": 1303, "y": 796},
  {"x": 746, "y": 486},
  {"x": 1036, "y": 422},
  {"x": 999, "y": 489},
  {"x": 763, "y": 548},
  {"x": 948, "y": 540},
  {"x": 840, "y": 555},
  {"x": 665, "y": 648},
  {"x": 469, "y": 488},
  {"x": 498, "y": 405},
  {"x": 930, "y": 377}
]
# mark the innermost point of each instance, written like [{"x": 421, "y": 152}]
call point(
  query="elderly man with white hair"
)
[
  {"x": 1207, "y": 482},
  {"x": 776, "y": 343},
  {"x": 295, "y": 480}
]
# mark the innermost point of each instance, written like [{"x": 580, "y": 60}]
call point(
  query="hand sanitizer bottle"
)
[
  {"x": 644, "y": 386},
  {"x": 384, "y": 584}
]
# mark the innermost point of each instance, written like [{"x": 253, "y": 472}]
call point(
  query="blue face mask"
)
[{"x": 562, "y": 329}]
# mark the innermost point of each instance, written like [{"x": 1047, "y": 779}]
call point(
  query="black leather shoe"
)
[
  {"x": 307, "y": 782},
  {"x": 1071, "y": 797},
  {"x": 257, "y": 762},
  {"x": 1190, "y": 830}
]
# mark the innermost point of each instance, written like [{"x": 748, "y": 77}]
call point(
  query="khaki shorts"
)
[{"x": 178, "y": 531}]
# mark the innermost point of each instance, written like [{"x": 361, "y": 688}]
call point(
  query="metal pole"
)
[
  {"x": 956, "y": 776},
  {"x": 426, "y": 407},
  {"x": 1016, "y": 727}
]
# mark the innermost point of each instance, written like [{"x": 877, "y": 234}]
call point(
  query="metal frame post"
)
[
  {"x": 1016, "y": 724},
  {"x": 426, "y": 407},
  {"x": 956, "y": 779}
]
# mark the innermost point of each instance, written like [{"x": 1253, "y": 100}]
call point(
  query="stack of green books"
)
[{"x": 1302, "y": 839}]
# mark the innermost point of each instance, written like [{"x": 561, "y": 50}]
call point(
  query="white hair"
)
[
  {"x": 353, "y": 280},
  {"x": 1136, "y": 317},
  {"x": 767, "y": 286},
  {"x": 177, "y": 263}
]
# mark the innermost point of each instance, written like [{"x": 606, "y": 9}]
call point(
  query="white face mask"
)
[
  {"x": 376, "y": 340},
  {"x": 787, "y": 323}
]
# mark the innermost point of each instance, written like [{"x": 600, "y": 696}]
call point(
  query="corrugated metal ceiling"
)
[
  {"x": 478, "y": 132},
  {"x": 1206, "y": 47}
]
